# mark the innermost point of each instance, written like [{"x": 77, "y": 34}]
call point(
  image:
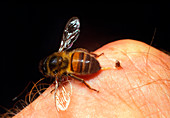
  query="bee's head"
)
[{"x": 51, "y": 65}]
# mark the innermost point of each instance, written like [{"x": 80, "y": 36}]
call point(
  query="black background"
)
[{"x": 30, "y": 32}]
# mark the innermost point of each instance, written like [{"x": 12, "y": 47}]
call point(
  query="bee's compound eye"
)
[{"x": 53, "y": 62}]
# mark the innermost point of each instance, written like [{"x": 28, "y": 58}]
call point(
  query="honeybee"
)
[{"x": 63, "y": 63}]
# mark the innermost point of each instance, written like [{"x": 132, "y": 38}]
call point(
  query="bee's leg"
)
[
  {"x": 81, "y": 80},
  {"x": 52, "y": 90},
  {"x": 57, "y": 83},
  {"x": 96, "y": 55},
  {"x": 56, "y": 86},
  {"x": 81, "y": 49},
  {"x": 84, "y": 50}
]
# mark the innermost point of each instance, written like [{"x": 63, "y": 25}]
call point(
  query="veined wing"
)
[
  {"x": 70, "y": 34},
  {"x": 62, "y": 95}
]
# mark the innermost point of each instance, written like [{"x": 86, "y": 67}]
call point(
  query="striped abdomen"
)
[{"x": 83, "y": 63}]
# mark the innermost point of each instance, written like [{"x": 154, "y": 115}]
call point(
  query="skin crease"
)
[{"x": 138, "y": 89}]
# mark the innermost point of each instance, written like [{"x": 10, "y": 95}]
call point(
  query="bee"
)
[{"x": 63, "y": 64}]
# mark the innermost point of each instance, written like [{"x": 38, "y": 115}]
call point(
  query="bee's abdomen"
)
[{"x": 83, "y": 63}]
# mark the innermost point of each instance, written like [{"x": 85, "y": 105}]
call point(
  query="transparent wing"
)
[
  {"x": 62, "y": 95},
  {"x": 70, "y": 34}
]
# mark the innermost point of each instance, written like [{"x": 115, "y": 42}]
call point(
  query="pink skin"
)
[{"x": 139, "y": 89}]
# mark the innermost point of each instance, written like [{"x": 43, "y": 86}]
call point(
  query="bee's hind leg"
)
[
  {"x": 81, "y": 80},
  {"x": 96, "y": 55},
  {"x": 92, "y": 53}
]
